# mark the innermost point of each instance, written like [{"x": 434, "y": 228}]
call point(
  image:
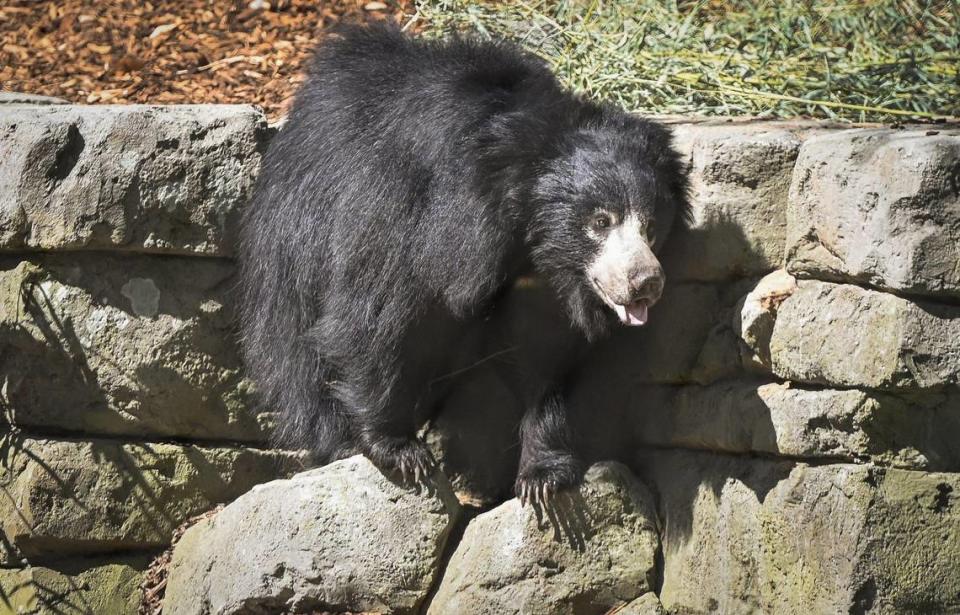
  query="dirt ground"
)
[{"x": 170, "y": 51}]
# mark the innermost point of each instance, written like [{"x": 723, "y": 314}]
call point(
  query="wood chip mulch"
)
[
  {"x": 170, "y": 51},
  {"x": 154, "y": 584}
]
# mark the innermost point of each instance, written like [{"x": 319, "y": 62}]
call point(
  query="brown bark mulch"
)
[
  {"x": 154, "y": 584},
  {"x": 170, "y": 51}
]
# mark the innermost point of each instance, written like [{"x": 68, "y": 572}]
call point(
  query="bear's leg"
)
[
  {"x": 332, "y": 436},
  {"x": 387, "y": 436},
  {"x": 393, "y": 389},
  {"x": 548, "y": 462},
  {"x": 311, "y": 416},
  {"x": 399, "y": 452}
]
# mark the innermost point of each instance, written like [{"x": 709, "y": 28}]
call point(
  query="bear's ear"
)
[
  {"x": 501, "y": 77},
  {"x": 676, "y": 171},
  {"x": 670, "y": 168}
]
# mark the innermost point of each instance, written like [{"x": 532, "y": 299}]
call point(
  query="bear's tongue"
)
[{"x": 634, "y": 314}]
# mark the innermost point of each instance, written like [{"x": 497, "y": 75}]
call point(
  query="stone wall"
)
[
  {"x": 789, "y": 415},
  {"x": 124, "y": 407},
  {"x": 805, "y": 453}
]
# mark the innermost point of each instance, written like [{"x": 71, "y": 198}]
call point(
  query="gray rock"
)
[
  {"x": 139, "y": 346},
  {"x": 156, "y": 179},
  {"x": 342, "y": 538},
  {"x": 746, "y": 535},
  {"x": 597, "y": 552},
  {"x": 22, "y": 98},
  {"x": 878, "y": 206},
  {"x": 647, "y": 604},
  {"x": 918, "y": 432},
  {"x": 847, "y": 336},
  {"x": 757, "y": 312},
  {"x": 108, "y": 585},
  {"x": 96, "y": 496},
  {"x": 739, "y": 179}
]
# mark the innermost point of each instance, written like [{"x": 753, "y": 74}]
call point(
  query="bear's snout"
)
[{"x": 646, "y": 285}]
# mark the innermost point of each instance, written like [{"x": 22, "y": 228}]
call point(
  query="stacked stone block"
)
[
  {"x": 820, "y": 474},
  {"x": 124, "y": 406}
]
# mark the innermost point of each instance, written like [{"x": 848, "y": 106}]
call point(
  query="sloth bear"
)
[{"x": 415, "y": 183}]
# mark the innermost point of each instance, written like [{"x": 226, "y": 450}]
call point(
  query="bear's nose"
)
[{"x": 646, "y": 285}]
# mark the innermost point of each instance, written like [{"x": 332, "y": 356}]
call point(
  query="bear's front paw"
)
[
  {"x": 409, "y": 456},
  {"x": 538, "y": 482}
]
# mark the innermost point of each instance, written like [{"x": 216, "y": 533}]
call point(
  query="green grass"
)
[{"x": 862, "y": 60}]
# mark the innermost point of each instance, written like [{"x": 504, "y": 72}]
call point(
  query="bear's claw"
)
[
  {"x": 419, "y": 468},
  {"x": 540, "y": 485},
  {"x": 409, "y": 456},
  {"x": 537, "y": 493}
]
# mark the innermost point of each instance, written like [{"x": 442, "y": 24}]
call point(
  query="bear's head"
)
[{"x": 604, "y": 204}]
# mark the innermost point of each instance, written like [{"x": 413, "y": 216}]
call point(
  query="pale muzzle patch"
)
[{"x": 625, "y": 273}]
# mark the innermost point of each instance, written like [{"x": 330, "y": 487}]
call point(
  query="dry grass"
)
[{"x": 861, "y": 60}]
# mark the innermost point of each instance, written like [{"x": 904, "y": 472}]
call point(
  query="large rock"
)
[
  {"x": 919, "y": 431},
  {"x": 878, "y": 206},
  {"x": 745, "y": 535},
  {"x": 82, "y": 497},
  {"x": 739, "y": 179},
  {"x": 595, "y": 551},
  {"x": 647, "y": 604},
  {"x": 157, "y": 179},
  {"x": 136, "y": 346},
  {"x": 340, "y": 538},
  {"x": 846, "y": 336},
  {"x": 108, "y": 585}
]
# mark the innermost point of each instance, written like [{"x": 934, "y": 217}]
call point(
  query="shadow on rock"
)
[{"x": 568, "y": 515}]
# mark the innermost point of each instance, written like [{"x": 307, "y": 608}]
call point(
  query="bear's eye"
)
[{"x": 602, "y": 221}]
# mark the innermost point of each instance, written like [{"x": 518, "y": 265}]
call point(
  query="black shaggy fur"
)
[{"x": 413, "y": 184}]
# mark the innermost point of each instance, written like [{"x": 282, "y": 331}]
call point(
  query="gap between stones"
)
[
  {"x": 781, "y": 457},
  {"x": 42, "y": 433},
  {"x": 449, "y": 548},
  {"x": 119, "y": 251},
  {"x": 946, "y": 300},
  {"x": 72, "y": 436},
  {"x": 52, "y": 561}
]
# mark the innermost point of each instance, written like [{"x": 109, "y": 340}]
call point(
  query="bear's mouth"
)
[{"x": 633, "y": 314}]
